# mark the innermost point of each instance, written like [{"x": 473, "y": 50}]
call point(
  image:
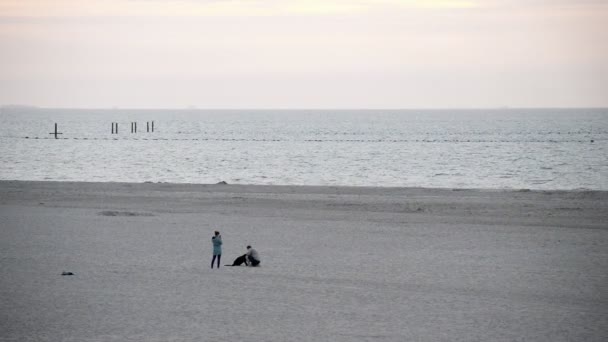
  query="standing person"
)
[
  {"x": 253, "y": 257},
  {"x": 217, "y": 248}
]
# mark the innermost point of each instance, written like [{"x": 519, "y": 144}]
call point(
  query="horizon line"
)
[{"x": 20, "y": 106}]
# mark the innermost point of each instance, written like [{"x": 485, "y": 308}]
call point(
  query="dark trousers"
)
[
  {"x": 218, "y": 260},
  {"x": 252, "y": 261}
]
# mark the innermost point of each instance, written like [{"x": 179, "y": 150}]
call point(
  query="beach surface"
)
[{"x": 338, "y": 263}]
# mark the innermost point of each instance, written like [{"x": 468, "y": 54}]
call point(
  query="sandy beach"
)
[{"x": 338, "y": 263}]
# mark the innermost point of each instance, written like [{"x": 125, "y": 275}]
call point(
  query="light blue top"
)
[{"x": 217, "y": 245}]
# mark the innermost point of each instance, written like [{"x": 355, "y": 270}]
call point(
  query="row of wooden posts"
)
[{"x": 149, "y": 128}]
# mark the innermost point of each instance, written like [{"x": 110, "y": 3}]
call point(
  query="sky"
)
[{"x": 304, "y": 53}]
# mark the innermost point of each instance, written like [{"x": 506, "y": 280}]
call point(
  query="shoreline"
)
[{"x": 301, "y": 186}]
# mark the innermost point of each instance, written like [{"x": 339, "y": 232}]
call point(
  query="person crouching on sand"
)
[
  {"x": 217, "y": 248},
  {"x": 253, "y": 258}
]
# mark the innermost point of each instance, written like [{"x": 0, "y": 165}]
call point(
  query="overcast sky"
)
[{"x": 304, "y": 53}]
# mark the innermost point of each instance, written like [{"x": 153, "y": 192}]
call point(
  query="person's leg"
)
[
  {"x": 252, "y": 261},
  {"x": 212, "y": 260},
  {"x": 218, "y": 260}
]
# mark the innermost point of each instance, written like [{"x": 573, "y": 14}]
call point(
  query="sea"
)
[{"x": 545, "y": 149}]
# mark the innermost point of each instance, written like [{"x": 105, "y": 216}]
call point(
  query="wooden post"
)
[
  {"x": 147, "y": 127},
  {"x": 152, "y": 126},
  {"x": 55, "y": 133}
]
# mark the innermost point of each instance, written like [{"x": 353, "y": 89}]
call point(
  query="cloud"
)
[
  {"x": 67, "y": 8},
  {"x": 241, "y": 8},
  {"x": 431, "y": 51}
]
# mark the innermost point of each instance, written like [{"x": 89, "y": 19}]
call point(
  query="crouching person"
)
[{"x": 253, "y": 258}]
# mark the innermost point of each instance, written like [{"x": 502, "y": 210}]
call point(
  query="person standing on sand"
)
[{"x": 217, "y": 248}]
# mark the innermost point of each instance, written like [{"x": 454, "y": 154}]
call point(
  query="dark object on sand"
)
[
  {"x": 222, "y": 182},
  {"x": 66, "y": 273},
  {"x": 239, "y": 261}
]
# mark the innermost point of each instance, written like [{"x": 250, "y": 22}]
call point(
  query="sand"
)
[{"x": 338, "y": 263}]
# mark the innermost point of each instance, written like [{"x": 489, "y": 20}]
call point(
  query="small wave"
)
[
  {"x": 540, "y": 181},
  {"x": 122, "y": 213}
]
